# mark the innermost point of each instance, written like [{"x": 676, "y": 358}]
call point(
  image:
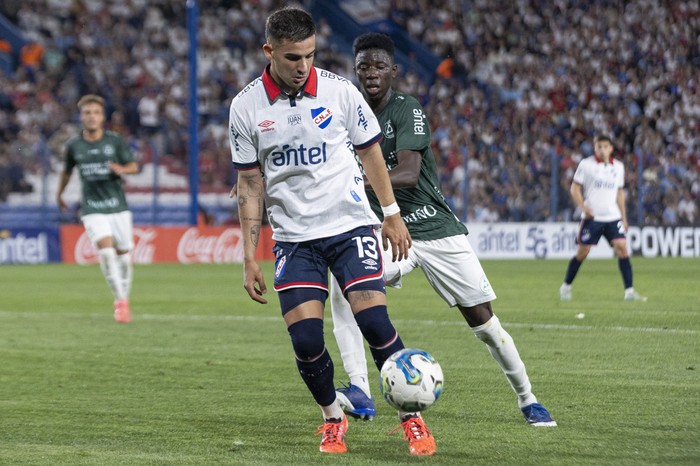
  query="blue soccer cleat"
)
[
  {"x": 355, "y": 402},
  {"x": 537, "y": 415}
]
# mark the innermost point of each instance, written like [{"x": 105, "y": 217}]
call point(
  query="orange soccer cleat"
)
[
  {"x": 122, "y": 314},
  {"x": 333, "y": 440},
  {"x": 420, "y": 440}
]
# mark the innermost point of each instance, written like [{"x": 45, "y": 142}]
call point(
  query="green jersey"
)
[
  {"x": 423, "y": 208},
  {"x": 102, "y": 191}
]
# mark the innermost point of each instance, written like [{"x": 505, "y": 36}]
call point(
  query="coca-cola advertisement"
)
[{"x": 185, "y": 245}]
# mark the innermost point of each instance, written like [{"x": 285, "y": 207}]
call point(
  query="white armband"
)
[{"x": 391, "y": 209}]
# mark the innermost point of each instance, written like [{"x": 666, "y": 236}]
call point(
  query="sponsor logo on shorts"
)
[
  {"x": 279, "y": 270},
  {"x": 369, "y": 262}
]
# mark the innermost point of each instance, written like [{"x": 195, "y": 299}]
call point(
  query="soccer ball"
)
[{"x": 411, "y": 380}]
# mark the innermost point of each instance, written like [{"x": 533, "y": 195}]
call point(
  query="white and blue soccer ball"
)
[{"x": 411, "y": 380}]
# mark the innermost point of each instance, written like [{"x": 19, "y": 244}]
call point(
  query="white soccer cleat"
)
[
  {"x": 631, "y": 295},
  {"x": 565, "y": 292}
]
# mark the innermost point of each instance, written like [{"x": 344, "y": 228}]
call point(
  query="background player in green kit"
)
[
  {"x": 440, "y": 245},
  {"x": 102, "y": 157}
]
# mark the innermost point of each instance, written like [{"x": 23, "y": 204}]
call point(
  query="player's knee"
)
[
  {"x": 477, "y": 315},
  {"x": 375, "y": 326},
  {"x": 307, "y": 338},
  {"x": 582, "y": 253}
]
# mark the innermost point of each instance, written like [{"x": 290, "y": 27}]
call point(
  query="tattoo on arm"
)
[{"x": 255, "y": 234}]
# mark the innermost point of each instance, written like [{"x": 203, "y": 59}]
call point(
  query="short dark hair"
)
[
  {"x": 373, "y": 40},
  {"x": 603, "y": 137},
  {"x": 292, "y": 24}
]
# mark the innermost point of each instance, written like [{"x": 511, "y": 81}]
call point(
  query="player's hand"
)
[
  {"x": 116, "y": 168},
  {"x": 234, "y": 191},
  {"x": 254, "y": 281},
  {"x": 62, "y": 206},
  {"x": 394, "y": 232}
]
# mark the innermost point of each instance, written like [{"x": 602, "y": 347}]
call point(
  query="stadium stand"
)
[{"x": 515, "y": 92}]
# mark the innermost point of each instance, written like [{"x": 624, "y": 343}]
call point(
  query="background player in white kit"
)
[
  {"x": 440, "y": 246},
  {"x": 102, "y": 157},
  {"x": 293, "y": 134},
  {"x": 597, "y": 190}
]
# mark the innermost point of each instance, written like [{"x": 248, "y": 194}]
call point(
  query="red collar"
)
[
  {"x": 598, "y": 160},
  {"x": 273, "y": 90}
]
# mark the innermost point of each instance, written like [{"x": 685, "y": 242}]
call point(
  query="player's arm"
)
[
  {"x": 621, "y": 204},
  {"x": 577, "y": 195},
  {"x": 407, "y": 172},
  {"x": 62, "y": 183},
  {"x": 250, "y": 212},
  {"x": 393, "y": 229},
  {"x": 129, "y": 168}
]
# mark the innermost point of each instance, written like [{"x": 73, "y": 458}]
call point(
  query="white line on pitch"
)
[{"x": 277, "y": 318}]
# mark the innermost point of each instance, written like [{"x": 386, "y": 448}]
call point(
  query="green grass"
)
[{"x": 205, "y": 376}]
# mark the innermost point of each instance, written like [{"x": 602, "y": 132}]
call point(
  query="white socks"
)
[
  {"x": 333, "y": 411},
  {"x": 110, "y": 270},
  {"x": 349, "y": 338},
  {"x": 502, "y": 348},
  {"x": 125, "y": 272}
]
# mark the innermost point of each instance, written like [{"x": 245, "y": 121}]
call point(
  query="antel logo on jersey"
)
[
  {"x": 322, "y": 116},
  {"x": 301, "y": 155},
  {"x": 266, "y": 126}
]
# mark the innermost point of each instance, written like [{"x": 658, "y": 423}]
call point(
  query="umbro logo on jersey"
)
[
  {"x": 266, "y": 125},
  {"x": 322, "y": 116}
]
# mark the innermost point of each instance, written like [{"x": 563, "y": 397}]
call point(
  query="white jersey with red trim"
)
[
  {"x": 601, "y": 182},
  {"x": 305, "y": 146}
]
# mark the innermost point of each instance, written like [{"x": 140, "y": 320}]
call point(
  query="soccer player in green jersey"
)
[
  {"x": 440, "y": 245},
  {"x": 102, "y": 157}
]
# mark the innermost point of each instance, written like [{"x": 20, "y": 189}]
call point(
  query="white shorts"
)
[
  {"x": 451, "y": 267},
  {"x": 119, "y": 226}
]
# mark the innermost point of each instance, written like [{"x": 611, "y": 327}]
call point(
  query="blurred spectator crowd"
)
[{"x": 523, "y": 88}]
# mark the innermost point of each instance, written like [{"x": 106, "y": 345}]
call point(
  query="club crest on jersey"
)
[
  {"x": 389, "y": 130},
  {"x": 322, "y": 116},
  {"x": 108, "y": 150}
]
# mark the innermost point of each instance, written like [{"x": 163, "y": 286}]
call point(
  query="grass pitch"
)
[{"x": 203, "y": 375}]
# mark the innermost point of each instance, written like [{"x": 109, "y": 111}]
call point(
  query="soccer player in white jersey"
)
[
  {"x": 102, "y": 157},
  {"x": 440, "y": 246},
  {"x": 294, "y": 133},
  {"x": 597, "y": 190}
]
